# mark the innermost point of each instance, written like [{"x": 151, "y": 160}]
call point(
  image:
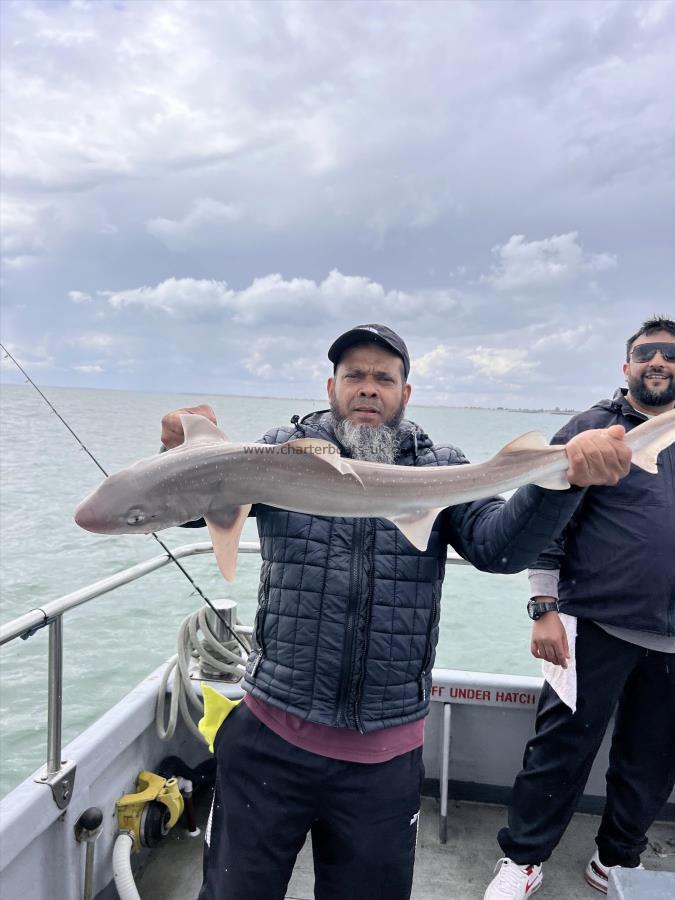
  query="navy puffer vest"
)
[{"x": 347, "y": 622}]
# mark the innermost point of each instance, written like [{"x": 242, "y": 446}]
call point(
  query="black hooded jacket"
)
[{"x": 617, "y": 555}]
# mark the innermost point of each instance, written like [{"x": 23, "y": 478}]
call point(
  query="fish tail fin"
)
[
  {"x": 646, "y": 459},
  {"x": 650, "y": 438}
]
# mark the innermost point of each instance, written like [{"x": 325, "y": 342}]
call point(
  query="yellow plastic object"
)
[
  {"x": 149, "y": 787},
  {"x": 216, "y": 709}
]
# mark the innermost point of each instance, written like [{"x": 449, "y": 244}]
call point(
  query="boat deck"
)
[{"x": 458, "y": 870}]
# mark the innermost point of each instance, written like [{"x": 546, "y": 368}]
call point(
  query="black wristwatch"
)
[{"x": 536, "y": 610}]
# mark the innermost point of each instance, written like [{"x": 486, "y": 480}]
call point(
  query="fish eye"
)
[{"x": 135, "y": 517}]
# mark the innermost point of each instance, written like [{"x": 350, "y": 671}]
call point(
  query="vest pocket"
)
[{"x": 428, "y": 650}]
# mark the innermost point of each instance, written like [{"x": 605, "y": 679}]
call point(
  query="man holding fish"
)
[
  {"x": 603, "y": 600},
  {"x": 329, "y": 736}
]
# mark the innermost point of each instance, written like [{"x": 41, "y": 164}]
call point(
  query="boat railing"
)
[{"x": 59, "y": 775}]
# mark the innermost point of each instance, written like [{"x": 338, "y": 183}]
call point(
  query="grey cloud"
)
[{"x": 199, "y": 170}]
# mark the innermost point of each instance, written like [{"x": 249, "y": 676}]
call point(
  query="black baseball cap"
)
[{"x": 370, "y": 334}]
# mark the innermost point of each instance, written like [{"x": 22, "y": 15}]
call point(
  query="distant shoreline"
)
[{"x": 320, "y": 403}]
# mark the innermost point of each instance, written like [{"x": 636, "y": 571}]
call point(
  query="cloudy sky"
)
[{"x": 200, "y": 195}]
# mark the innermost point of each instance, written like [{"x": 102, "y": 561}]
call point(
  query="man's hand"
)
[
  {"x": 172, "y": 428},
  {"x": 600, "y": 456},
  {"x": 549, "y": 639}
]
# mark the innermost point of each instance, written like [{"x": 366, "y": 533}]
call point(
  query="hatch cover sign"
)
[{"x": 487, "y": 696}]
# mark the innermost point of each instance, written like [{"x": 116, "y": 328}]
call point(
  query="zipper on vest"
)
[
  {"x": 358, "y": 688},
  {"x": 668, "y": 463},
  {"x": 256, "y": 664},
  {"x": 262, "y": 612},
  {"x": 354, "y": 591}
]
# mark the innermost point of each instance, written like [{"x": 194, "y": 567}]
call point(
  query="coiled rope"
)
[{"x": 223, "y": 658}]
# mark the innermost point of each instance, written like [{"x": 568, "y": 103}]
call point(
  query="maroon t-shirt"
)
[{"x": 338, "y": 743}]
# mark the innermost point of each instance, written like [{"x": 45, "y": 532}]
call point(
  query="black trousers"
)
[
  {"x": 270, "y": 794},
  {"x": 640, "y": 685}
]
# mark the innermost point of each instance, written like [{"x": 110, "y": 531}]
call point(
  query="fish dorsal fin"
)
[
  {"x": 417, "y": 527},
  {"x": 200, "y": 429},
  {"x": 323, "y": 450},
  {"x": 535, "y": 440},
  {"x": 225, "y": 525},
  {"x": 531, "y": 440}
]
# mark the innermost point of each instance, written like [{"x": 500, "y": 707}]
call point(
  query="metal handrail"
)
[
  {"x": 28, "y": 623},
  {"x": 31, "y": 621},
  {"x": 57, "y": 773}
]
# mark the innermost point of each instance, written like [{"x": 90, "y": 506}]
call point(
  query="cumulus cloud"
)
[
  {"x": 37, "y": 355},
  {"x": 495, "y": 363},
  {"x": 428, "y": 364},
  {"x": 204, "y": 223},
  {"x": 79, "y": 297},
  {"x": 24, "y": 228},
  {"x": 177, "y": 297},
  {"x": 99, "y": 341},
  {"x": 585, "y": 336},
  {"x": 278, "y": 361},
  {"x": 547, "y": 263},
  {"x": 271, "y": 298},
  {"x": 89, "y": 369}
]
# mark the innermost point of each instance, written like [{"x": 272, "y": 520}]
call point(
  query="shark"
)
[{"x": 211, "y": 477}]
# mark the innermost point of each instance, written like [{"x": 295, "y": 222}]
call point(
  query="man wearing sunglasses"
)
[{"x": 612, "y": 572}]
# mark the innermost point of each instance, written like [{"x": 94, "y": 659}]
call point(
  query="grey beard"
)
[
  {"x": 369, "y": 443},
  {"x": 647, "y": 397}
]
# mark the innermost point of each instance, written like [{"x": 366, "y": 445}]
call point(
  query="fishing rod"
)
[{"x": 153, "y": 534}]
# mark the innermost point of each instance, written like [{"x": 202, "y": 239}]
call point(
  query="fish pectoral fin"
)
[
  {"x": 417, "y": 527},
  {"x": 323, "y": 450},
  {"x": 225, "y": 527},
  {"x": 200, "y": 429}
]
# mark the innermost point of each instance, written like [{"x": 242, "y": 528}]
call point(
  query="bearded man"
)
[
  {"x": 612, "y": 575},
  {"x": 329, "y": 736}
]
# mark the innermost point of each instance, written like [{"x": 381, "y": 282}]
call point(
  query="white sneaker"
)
[
  {"x": 597, "y": 874},
  {"x": 513, "y": 882}
]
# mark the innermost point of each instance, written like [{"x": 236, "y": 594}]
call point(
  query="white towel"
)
[{"x": 564, "y": 681}]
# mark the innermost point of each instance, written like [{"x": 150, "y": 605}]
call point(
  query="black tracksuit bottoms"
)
[
  {"x": 270, "y": 794},
  {"x": 640, "y": 685}
]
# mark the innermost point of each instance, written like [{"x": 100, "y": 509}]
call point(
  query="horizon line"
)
[{"x": 499, "y": 408}]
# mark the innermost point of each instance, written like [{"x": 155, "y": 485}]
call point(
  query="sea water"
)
[{"x": 114, "y": 641}]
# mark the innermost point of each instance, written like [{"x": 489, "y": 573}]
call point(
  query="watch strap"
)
[{"x": 536, "y": 610}]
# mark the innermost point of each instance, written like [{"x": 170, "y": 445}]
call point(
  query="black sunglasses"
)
[{"x": 645, "y": 352}]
